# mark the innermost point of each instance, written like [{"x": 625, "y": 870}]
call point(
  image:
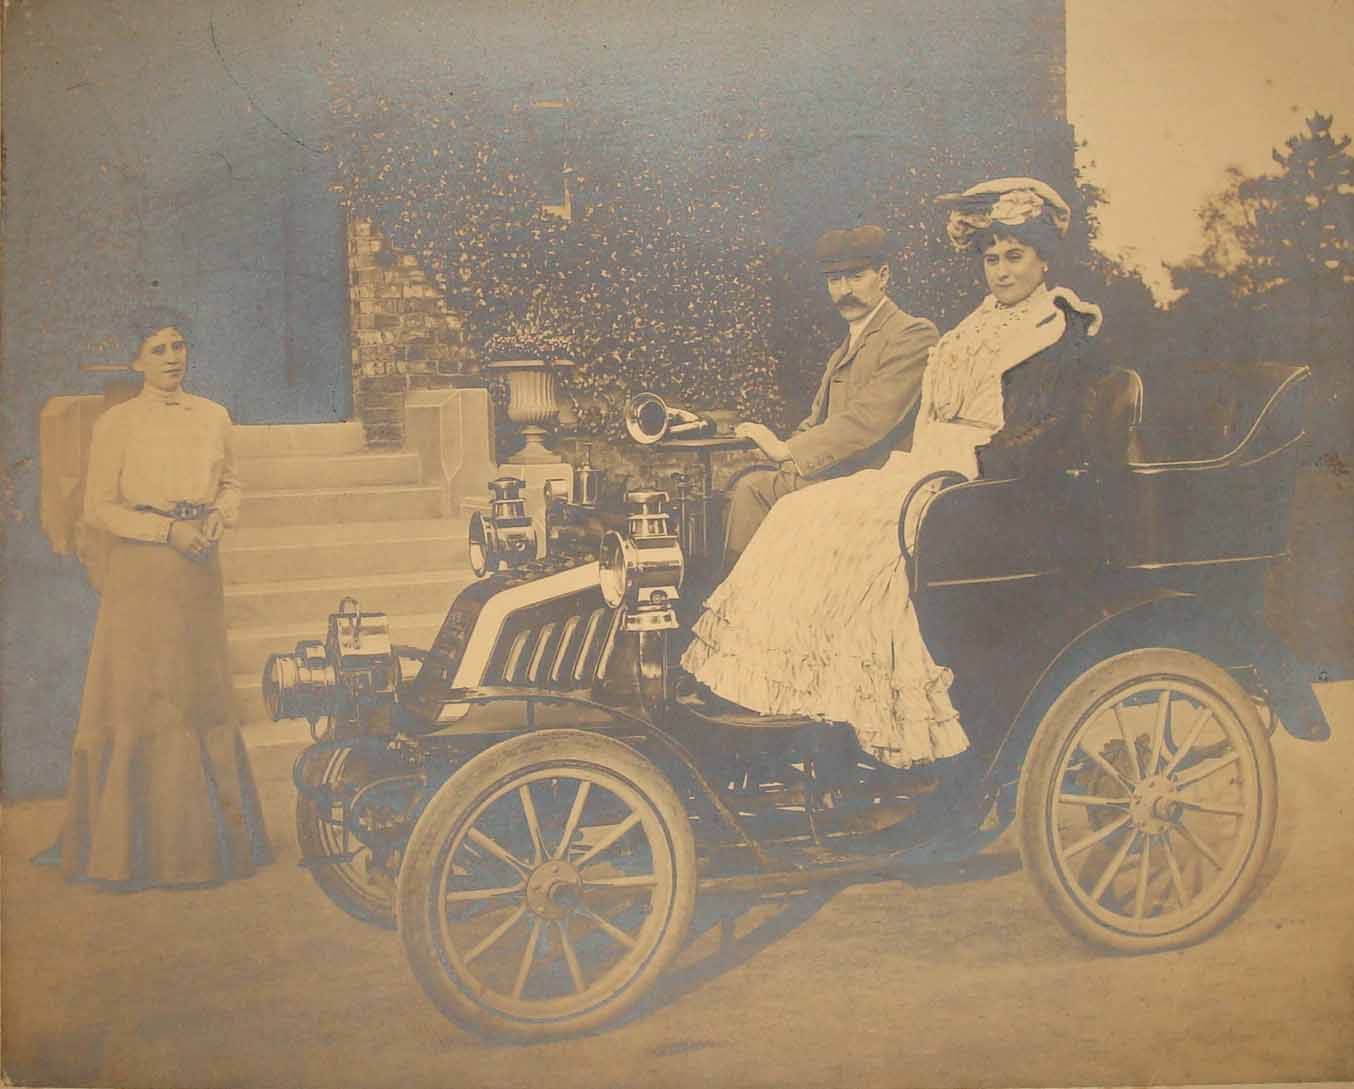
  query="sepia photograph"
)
[{"x": 659, "y": 544}]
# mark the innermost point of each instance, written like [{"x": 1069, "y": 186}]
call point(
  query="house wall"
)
[{"x": 404, "y": 336}]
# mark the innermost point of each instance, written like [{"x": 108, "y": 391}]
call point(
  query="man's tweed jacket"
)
[{"x": 867, "y": 401}]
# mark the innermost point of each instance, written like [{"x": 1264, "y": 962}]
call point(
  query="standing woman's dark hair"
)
[
  {"x": 160, "y": 790},
  {"x": 146, "y": 321}
]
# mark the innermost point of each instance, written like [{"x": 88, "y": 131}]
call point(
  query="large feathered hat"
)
[{"x": 1010, "y": 202}]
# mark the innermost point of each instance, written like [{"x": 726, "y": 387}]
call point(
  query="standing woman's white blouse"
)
[{"x": 156, "y": 450}]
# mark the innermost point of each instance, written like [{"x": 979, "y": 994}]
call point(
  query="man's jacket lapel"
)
[
  {"x": 844, "y": 355},
  {"x": 876, "y": 323}
]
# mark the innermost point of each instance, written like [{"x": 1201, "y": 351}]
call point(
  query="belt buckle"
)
[{"x": 189, "y": 512}]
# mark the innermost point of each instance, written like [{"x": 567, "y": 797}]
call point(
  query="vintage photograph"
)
[{"x": 665, "y": 544}]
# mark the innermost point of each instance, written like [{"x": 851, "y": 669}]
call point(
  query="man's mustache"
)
[{"x": 849, "y": 300}]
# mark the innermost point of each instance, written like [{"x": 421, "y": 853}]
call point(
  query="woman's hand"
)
[
  {"x": 213, "y": 525},
  {"x": 765, "y": 439},
  {"x": 188, "y": 539}
]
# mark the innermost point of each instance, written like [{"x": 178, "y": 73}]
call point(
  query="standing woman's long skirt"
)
[{"x": 160, "y": 789}]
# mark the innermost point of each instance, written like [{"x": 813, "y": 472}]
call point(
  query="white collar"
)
[
  {"x": 858, "y": 326},
  {"x": 151, "y": 395}
]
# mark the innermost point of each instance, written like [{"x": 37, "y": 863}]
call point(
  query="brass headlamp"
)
[
  {"x": 507, "y": 537},
  {"x": 355, "y": 667},
  {"x": 642, "y": 569}
]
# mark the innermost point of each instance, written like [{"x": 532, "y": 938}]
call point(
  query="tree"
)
[
  {"x": 1275, "y": 279},
  {"x": 1295, "y": 227}
]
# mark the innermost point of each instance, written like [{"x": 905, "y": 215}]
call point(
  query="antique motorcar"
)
[{"x": 536, "y": 800}]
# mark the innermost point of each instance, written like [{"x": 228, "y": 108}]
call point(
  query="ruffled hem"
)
[{"x": 900, "y": 710}]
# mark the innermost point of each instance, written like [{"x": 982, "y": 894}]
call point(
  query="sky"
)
[{"x": 1167, "y": 94}]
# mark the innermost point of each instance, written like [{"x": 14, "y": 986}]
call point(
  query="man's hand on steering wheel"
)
[{"x": 765, "y": 439}]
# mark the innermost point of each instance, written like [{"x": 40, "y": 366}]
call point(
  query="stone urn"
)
[{"x": 533, "y": 403}]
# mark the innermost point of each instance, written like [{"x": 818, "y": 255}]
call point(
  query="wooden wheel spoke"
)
[
  {"x": 1209, "y": 807},
  {"x": 1109, "y": 769},
  {"x": 528, "y": 955},
  {"x": 625, "y": 881},
  {"x": 1198, "y": 844},
  {"x": 571, "y": 957},
  {"x": 498, "y": 851},
  {"x": 1144, "y": 873},
  {"x": 1159, "y": 731},
  {"x": 1095, "y": 837},
  {"x": 1173, "y": 864},
  {"x": 607, "y": 927},
  {"x": 575, "y": 814},
  {"x": 465, "y": 895},
  {"x": 497, "y": 933},
  {"x": 538, "y": 853},
  {"x": 608, "y": 840},
  {"x": 1202, "y": 719},
  {"x": 1201, "y": 772},
  {"x": 1094, "y": 800},
  {"x": 1116, "y": 864},
  {"x": 1129, "y": 746}
]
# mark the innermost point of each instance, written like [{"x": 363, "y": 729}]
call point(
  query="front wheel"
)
[
  {"x": 547, "y": 885},
  {"x": 356, "y": 876},
  {"x": 1147, "y": 801}
]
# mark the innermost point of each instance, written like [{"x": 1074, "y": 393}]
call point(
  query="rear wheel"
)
[
  {"x": 547, "y": 885},
  {"x": 1147, "y": 801}
]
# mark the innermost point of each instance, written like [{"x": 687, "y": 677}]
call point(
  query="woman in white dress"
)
[{"x": 816, "y": 617}]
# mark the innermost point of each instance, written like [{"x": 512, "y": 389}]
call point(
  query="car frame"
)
[{"x": 538, "y": 798}]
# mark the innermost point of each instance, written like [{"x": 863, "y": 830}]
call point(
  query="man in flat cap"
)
[{"x": 867, "y": 401}]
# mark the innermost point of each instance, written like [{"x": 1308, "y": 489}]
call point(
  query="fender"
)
[{"x": 1185, "y": 622}]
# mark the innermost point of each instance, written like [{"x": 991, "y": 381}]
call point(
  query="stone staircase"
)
[{"x": 324, "y": 518}]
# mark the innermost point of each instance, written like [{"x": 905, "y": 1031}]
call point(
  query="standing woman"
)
[{"x": 160, "y": 790}]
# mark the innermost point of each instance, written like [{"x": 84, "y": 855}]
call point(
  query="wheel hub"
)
[
  {"x": 554, "y": 890},
  {"x": 1154, "y": 807}
]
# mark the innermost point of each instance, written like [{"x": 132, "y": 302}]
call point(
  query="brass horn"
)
[{"x": 648, "y": 419}]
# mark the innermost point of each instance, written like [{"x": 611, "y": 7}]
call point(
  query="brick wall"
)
[{"x": 403, "y": 335}]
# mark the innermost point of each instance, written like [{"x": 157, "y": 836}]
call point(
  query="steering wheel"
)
[{"x": 935, "y": 482}]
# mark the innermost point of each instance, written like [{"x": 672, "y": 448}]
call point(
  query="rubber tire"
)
[
  {"x": 1041, "y": 763},
  {"x": 352, "y": 900},
  {"x": 459, "y": 796}
]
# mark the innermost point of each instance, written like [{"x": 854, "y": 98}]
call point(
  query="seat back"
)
[
  {"x": 1111, "y": 417},
  {"x": 1208, "y": 412},
  {"x": 1210, "y": 472}
]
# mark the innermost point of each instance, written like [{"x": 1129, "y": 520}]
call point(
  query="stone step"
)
[
  {"x": 244, "y": 537},
  {"x": 306, "y": 552},
  {"x": 249, "y": 650},
  {"x": 475, "y": 504},
  {"x": 281, "y": 440},
  {"x": 318, "y": 506},
  {"x": 250, "y": 646},
  {"x": 282, "y": 604},
  {"x": 329, "y": 470}
]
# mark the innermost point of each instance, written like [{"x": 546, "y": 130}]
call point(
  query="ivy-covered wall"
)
[{"x": 703, "y": 149}]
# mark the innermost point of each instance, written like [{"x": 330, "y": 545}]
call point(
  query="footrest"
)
[{"x": 720, "y": 712}]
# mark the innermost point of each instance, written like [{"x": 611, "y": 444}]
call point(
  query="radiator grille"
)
[{"x": 564, "y": 653}]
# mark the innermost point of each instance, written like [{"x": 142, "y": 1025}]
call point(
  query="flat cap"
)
[{"x": 859, "y": 247}]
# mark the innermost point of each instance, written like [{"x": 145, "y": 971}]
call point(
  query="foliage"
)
[
  {"x": 651, "y": 285},
  {"x": 1275, "y": 279},
  {"x": 1292, "y": 227},
  {"x": 684, "y": 264}
]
